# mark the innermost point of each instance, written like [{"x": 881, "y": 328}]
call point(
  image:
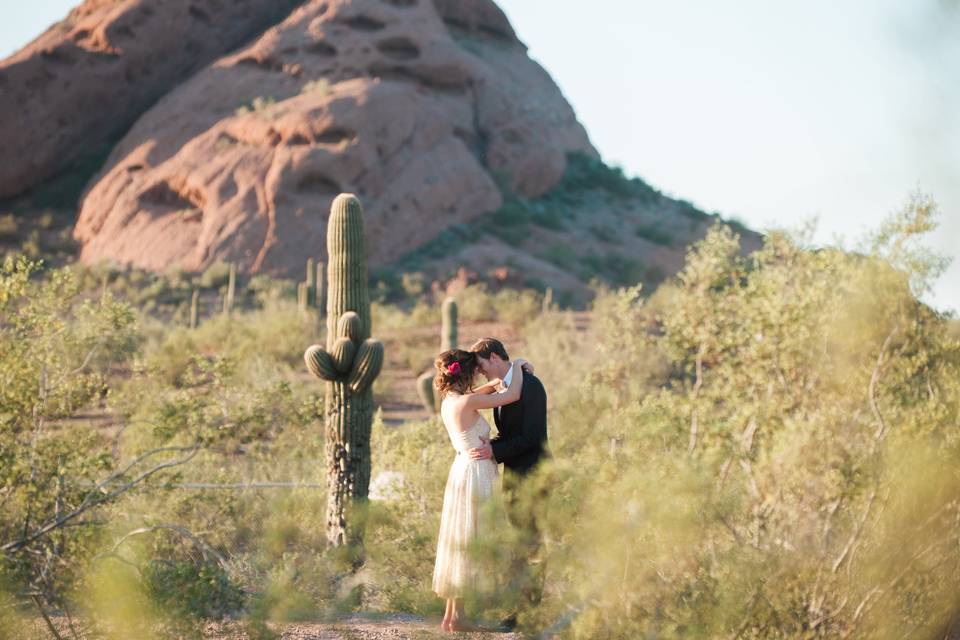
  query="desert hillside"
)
[{"x": 228, "y": 142}]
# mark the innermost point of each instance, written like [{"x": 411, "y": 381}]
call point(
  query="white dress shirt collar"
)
[
  {"x": 504, "y": 384},
  {"x": 508, "y": 378}
]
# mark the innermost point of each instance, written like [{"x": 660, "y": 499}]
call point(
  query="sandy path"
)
[
  {"x": 398, "y": 627},
  {"x": 393, "y": 627}
]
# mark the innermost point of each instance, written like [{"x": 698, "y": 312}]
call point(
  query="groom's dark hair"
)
[{"x": 486, "y": 346}]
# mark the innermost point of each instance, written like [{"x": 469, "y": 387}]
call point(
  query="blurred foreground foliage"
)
[{"x": 765, "y": 447}]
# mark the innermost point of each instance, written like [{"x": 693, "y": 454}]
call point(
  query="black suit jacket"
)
[{"x": 522, "y": 427}]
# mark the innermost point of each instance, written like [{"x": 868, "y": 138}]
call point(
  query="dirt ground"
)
[{"x": 394, "y": 627}]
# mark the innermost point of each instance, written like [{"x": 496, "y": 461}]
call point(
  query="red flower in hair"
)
[{"x": 453, "y": 368}]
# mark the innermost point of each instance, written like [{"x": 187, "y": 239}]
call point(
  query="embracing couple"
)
[{"x": 519, "y": 405}]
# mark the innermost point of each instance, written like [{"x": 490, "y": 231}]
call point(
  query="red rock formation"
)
[
  {"x": 412, "y": 105},
  {"x": 81, "y": 84}
]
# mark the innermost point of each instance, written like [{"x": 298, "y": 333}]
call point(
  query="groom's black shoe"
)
[{"x": 509, "y": 623}]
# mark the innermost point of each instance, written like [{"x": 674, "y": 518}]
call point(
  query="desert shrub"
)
[
  {"x": 765, "y": 447},
  {"x": 190, "y": 589},
  {"x": 209, "y": 406},
  {"x": 261, "y": 105},
  {"x": 478, "y": 304},
  {"x": 320, "y": 86},
  {"x": 401, "y": 534},
  {"x": 615, "y": 268},
  {"x": 511, "y": 222},
  {"x": 559, "y": 254},
  {"x": 606, "y": 234},
  {"x": 765, "y": 454},
  {"x": 585, "y": 173},
  {"x": 390, "y": 317},
  {"x": 655, "y": 234},
  {"x": 56, "y": 353},
  {"x": 740, "y": 453},
  {"x": 9, "y": 227},
  {"x": 215, "y": 276},
  {"x": 264, "y": 291},
  {"x": 449, "y": 241}
]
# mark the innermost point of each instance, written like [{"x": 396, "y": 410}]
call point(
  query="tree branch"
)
[
  {"x": 856, "y": 533},
  {"x": 694, "y": 417},
  {"x": 872, "y": 391},
  {"x": 203, "y": 546},
  {"x": 98, "y": 495},
  {"x": 46, "y": 618}
]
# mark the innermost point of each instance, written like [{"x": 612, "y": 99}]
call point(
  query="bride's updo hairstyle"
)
[{"x": 456, "y": 370}]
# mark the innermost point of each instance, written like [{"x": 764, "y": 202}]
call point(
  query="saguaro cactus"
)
[
  {"x": 349, "y": 364},
  {"x": 231, "y": 289},
  {"x": 311, "y": 284},
  {"x": 547, "y": 300},
  {"x": 321, "y": 306},
  {"x": 448, "y": 327},
  {"x": 302, "y": 297},
  {"x": 448, "y": 340},
  {"x": 194, "y": 309},
  {"x": 426, "y": 392}
]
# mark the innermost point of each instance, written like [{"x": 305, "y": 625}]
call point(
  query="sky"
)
[{"x": 774, "y": 113}]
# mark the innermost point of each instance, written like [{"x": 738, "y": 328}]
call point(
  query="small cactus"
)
[
  {"x": 426, "y": 392},
  {"x": 349, "y": 364},
  {"x": 231, "y": 289},
  {"x": 104, "y": 286},
  {"x": 448, "y": 328},
  {"x": 194, "y": 309},
  {"x": 302, "y": 297},
  {"x": 448, "y": 340},
  {"x": 311, "y": 283},
  {"x": 321, "y": 299}
]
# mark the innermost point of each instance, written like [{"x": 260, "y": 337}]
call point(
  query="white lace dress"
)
[{"x": 469, "y": 484}]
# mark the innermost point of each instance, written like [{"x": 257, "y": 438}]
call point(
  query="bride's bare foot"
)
[
  {"x": 458, "y": 624},
  {"x": 445, "y": 625}
]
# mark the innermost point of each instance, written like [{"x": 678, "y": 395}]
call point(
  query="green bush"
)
[
  {"x": 605, "y": 234},
  {"x": 585, "y": 174},
  {"x": 560, "y": 254},
  {"x": 196, "y": 590},
  {"x": 9, "y": 226},
  {"x": 215, "y": 276},
  {"x": 614, "y": 268},
  {"x": 765, "y": 447},
  {"x": 655, "y": 234}
]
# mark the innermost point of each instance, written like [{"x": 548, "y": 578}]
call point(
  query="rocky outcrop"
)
[
  {"x": 420, "y": 108},
  {"x": 80, "y": 85}
]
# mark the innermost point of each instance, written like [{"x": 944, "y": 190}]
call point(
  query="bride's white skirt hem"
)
[{"x": 469, "y": 484}]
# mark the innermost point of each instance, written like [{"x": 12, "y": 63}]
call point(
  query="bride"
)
[{"x": 470, "y": 481}]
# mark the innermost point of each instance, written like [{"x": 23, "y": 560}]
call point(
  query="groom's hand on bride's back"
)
[{"x": 484, "y": 452}]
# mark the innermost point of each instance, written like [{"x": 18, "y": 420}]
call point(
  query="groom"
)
[{"x": 519, "y": 445}]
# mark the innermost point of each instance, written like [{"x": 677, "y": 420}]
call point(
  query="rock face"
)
[
  {"x": 415, "y": 106},
  {"x": 81, "y": 84}
]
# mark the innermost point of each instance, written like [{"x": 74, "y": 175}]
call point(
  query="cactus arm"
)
[
  {"x": 320, "y": 363},
  {"x": 344, "y": 352},
  {"x": 366, "y": 366},
  {"x": 350, "y": 326}
]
